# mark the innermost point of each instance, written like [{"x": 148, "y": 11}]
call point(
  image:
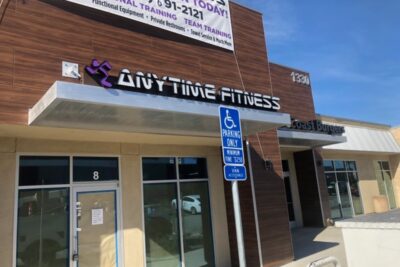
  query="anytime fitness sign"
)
[
  {"x": 150, "y": 83},
  {"x": 208, "y": 21}
]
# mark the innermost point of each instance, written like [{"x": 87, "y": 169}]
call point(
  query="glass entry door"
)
[
  {"x": 343, "y": 190},
  {"x": 95, "y": 227}
]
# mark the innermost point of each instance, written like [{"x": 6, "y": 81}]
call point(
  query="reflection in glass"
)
[
  {"x": 333, "y": 198},
  {"x": 384, "y": 179},
  {"x": 38, "y": 170},
  {"x": 389, "y": 187},
  {"x": 381, "y": 184},
  {"x": 355, "y": 193},
  {"x": 344, "y": 195},
  {"x": 42, "y": 229},
  {"x": 159, "y": 169},
  {"x": 192, "y": 168},
  {"x": 196, "y": 223},
  {"x": 328, "y": 165},
  {"x": 339, "y": 165},
  {"x": 384, "y": 165},
  {"x": 161, "y": 225},
  {"x": 351, "y": 166}
]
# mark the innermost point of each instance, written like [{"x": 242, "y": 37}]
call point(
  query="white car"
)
[{"x": 189, "y": 203}]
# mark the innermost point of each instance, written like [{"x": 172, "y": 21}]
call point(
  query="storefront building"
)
[{"x": 117, "y": 161}]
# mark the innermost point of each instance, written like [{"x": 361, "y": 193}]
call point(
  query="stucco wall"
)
[
  {"x": 395, "y": 167},
  {"x": 133, "y": 237},
  {"x": 7, "y": 193},
  {"x": 371, "y": 247}
]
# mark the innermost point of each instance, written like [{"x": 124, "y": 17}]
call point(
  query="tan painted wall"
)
[
  {"x": 396, "y": 133},
  {"x": 7, "y": 193},
  {"x": 132, "y": 221},
  {"x": 366, "y": 173},
  {"x": 395, "y": 169}
]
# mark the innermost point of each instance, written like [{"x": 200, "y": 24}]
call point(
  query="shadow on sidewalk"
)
[{"x": 306, "y": 242}]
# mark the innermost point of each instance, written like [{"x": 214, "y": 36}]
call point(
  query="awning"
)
[
  {"x": 308, "y": 139},
  {"x": 366, "y": 139},
  {"x": 71, "y": 105}
]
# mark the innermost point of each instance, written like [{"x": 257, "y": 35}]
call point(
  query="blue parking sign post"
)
[
  {"x": 232, "y": 144},
  {"x": 234, "y": 169}
]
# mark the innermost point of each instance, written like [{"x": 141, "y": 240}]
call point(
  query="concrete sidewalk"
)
[{"x": 311, "y": 244}]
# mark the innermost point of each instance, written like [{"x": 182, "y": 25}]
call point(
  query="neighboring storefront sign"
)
[
  {"x": 232, "y": 144},
  {"x": 150, "y": 83},
  {"x": 208, "y": 21},
  {"x": 316, "y": 126}
]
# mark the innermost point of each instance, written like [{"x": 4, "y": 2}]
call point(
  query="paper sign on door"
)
[{"x": 97, "y": 216}]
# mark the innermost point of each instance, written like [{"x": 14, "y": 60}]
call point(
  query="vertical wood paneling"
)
[
  {"x": 296, "y": 99},
  {"x": 271, "y": 201},
  {"x": 44, "y": 33}
]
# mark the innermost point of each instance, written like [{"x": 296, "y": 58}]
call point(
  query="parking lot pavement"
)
[{"x": 311, "y": 244}]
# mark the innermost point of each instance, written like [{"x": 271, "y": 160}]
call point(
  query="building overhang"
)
[
  {"x": 307, "y": 139},
  {"x": 78, "y": 106},
  {"x": 367, "y": 140}
]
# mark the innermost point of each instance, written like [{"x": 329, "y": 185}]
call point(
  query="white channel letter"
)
[{"x": 126, "y": 75}]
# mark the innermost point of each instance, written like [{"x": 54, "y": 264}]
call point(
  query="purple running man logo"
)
[{"x": 102, "y": 69}]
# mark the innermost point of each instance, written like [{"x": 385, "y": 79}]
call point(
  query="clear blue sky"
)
[{"x": 350, "y": 48}]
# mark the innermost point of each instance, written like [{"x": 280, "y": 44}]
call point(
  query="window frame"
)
[
  {"x": 71, "y": 185},
  {"x": 381, "y": 171},
  {"x": 177, "y": 181},
  {"x": 335, "y": 172}
]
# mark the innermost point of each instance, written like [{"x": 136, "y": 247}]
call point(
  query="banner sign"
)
[
  {"x": 208, "y": 21},
  {"x": 150, "y": 83}
]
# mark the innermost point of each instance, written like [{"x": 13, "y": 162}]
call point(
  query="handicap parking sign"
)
[
  {"x": 231, "y": 132},
  {"x": 232, "y": 144},
  {"x": 235, "y": 173}
]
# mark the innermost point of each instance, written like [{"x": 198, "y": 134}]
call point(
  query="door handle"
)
[
  {"x": 78, "y": 208},
  {"x": 75, "y": 257}
]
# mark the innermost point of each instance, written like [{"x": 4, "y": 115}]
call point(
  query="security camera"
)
[{"x": 76, "y": 74}]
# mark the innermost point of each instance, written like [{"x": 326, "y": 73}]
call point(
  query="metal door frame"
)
[
  {"x": 94, "y": 188},
  {"x": 339, "y": 197}
]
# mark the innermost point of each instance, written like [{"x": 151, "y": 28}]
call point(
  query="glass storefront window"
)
[
  {"x": 168, "y": 244},
  {"x": 161, "y": 224},
  {"x": 384, "y": 165},
  {"x": 343, "y": 188},
  {"x": 192, "y": 168},
  {"x": 38, "y": 170},
  {"x": 88, "y": 169},
  {"x": 43, "y": 227},
  {"x": 355, "y": 193},
  {"x": 339, "y": 165},
  {"x": 351, "y": 166},
  {"x": 384, "y": 179},
  {"x": 196, "y": 224},
  {"x": 328, "y": 165},
  {"x": 158, "y": 169}
]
